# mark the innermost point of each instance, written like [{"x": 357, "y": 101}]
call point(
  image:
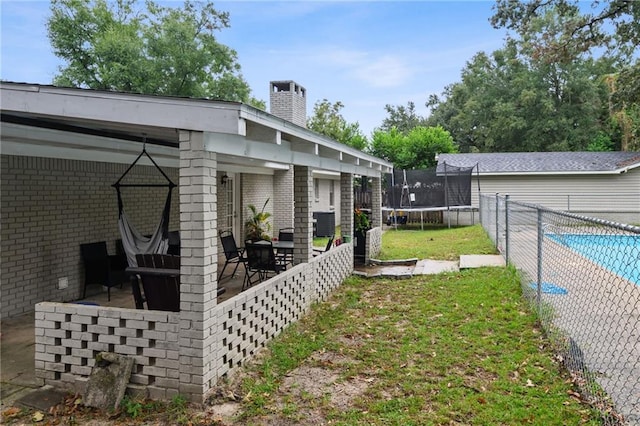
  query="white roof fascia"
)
[
  {"x": 132, "y": 109},
  {"x": 31, "y": 141},
  {"x": 282, "y": 153},
  {"x": 325, "y": 146},
  {"x": 627, "y": 168},
  {"x": 23, "y": 140},
  {"x": 234, "y": 168},
  {"x": 559, "y": 173},
  {"x": 325, "y": 174}
]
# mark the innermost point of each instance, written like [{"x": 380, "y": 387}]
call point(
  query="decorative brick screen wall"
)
[
  {"x": 69, "y": 336},
  {"x": 374, "y": 244},
  {"x": 330, "y": 269}
]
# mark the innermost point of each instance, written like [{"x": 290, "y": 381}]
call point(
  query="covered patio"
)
[{"x": 61, "y": 151}]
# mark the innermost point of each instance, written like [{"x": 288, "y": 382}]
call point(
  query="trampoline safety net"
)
[{"x": 443, "y": 186}]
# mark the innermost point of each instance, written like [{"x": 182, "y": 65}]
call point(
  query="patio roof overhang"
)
[{"x": 91, "y": 125}]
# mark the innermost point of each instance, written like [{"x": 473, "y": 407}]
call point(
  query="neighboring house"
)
[
  {"x": 63, "y": 148},
  {"x": 598, "y": 184}
]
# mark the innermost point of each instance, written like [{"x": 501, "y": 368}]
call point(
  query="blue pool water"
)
[{"x": 618, "y": 253}]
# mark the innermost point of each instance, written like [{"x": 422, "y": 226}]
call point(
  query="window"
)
[{"x": 316, "y": 188}]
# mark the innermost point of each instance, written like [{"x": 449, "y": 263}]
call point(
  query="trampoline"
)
[{"x": 443, "y": 188}]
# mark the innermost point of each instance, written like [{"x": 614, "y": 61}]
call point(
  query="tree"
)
[
  {"x": 510, "y": 101},
  {"x": 415, "y": 150},
  {"x": 387, "y": 144},
  {"x": 424, "y": 143},
  {"x": 159, "y": 51},
  {"x": 404, "y": 119},
  {"x": 609, "y": 29},
  {"x": 328, "y": 120},
  {"x": 613, "y": 25}
]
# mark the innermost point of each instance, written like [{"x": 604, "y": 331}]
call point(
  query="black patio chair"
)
[
  {"x": 121, "y": 255},
  {"x": 101, "y": 268},
  {"x": 174, "y": 243},
  {"x": 261, "y": 262},
  {"x": 318, "y": 252},
  {"x": 285, "y": 256},
  {"x": 232, "y": 253},
  {"x": 160, "y": 277}
]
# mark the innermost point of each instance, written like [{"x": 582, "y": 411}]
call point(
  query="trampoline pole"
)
[
  {"x": 446, "y": 195},
  {"x": 393, "y": 194},
  {"x": 479, "y": 192}
]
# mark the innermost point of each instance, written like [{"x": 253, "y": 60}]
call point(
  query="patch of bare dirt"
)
[{"x": 305, "y": 395}]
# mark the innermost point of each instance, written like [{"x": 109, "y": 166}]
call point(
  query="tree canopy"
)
[
  {"x": 157, "y": 50},
  {"x": 415, "y": 150},
  {"x": 613, "y": 26},
  {"x": 402, "y": 118},
  {"x": 604, "y": 30},
  {"x": 506, "y": 102},
  {"x": 328, "y": 120}
]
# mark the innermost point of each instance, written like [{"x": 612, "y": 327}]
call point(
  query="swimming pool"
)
[{"x": 618, "y": 253}]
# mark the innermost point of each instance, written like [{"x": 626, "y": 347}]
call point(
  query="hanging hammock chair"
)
[{"x": 133, "y": 241}]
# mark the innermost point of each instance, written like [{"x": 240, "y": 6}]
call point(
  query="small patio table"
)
[
  {"x": 282, "y": 249},
  {"x": 278, "y": 245}
]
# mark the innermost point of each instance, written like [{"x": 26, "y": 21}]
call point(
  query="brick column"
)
[
  {"x": 303, "y": 216},
  {"x": 376, "y": 202},
  {"x": 346, "y": 206},
  {"x": 198, "y": 268},
  {"x": 282, "y": 200}
]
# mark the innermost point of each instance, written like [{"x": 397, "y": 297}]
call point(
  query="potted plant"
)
[
  {"x": 361, "y": 225},
  {"x": 258, "y": 226}
]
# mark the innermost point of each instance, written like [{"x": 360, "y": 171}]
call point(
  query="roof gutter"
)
[{"x": 563, "y": 173}]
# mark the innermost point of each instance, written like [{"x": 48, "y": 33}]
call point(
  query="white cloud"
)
[
  {"x": 374, "y": 69},
  {"x": 384, "y": 72}
]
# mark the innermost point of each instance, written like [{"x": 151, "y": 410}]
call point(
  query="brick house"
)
[{"x": 61, "y": 151}]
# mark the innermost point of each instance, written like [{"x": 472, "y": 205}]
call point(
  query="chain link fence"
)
[{"x": 582, "y": 277}]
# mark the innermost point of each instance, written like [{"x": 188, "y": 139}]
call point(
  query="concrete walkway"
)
[{"x": 410, "y": 267}]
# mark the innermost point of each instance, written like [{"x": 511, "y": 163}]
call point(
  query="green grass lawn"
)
[
  {"x": 455, "y": 348},
  {"x": 440, "y": 243},
  {"x": 458, "y": 348},
  {"x": 436, "y": 242}
]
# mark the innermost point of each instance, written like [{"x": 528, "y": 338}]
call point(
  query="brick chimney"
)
[{"x": 288, "y": 100}]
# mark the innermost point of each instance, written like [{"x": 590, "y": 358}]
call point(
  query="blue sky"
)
[{"x": 365, "y": 54}]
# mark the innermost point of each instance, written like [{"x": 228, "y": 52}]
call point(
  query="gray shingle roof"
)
[{"x": 544, "y": 162}]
